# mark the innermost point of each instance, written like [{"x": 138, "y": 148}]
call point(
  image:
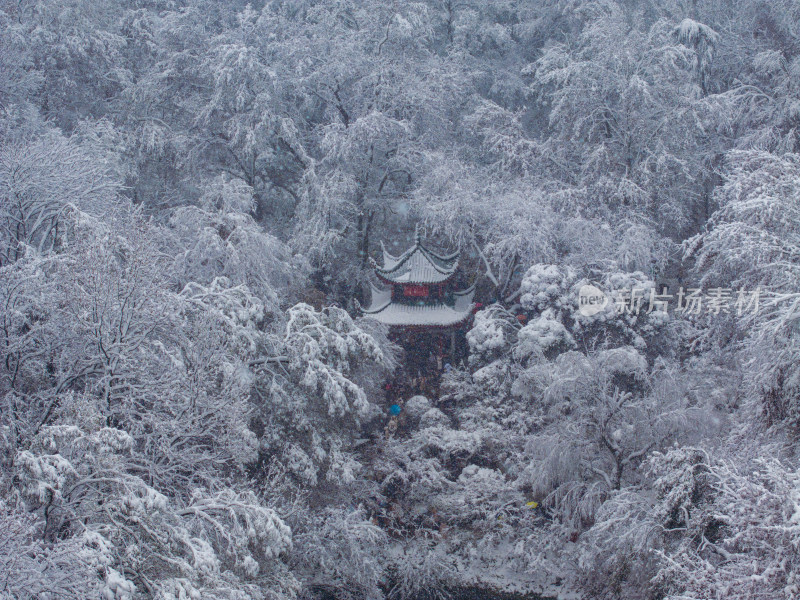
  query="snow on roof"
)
[
  {"x": 387, "y": 312},
  {"x": 418, "y": 264},
  {"x": 389, "y": 261},
  {"x": 381, "y": 298}
]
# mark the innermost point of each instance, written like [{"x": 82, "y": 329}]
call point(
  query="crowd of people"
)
[{"x": 421, "y": 376}]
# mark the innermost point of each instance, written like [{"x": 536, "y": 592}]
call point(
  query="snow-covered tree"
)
[
  {"x": 42, "y": 179},
  {"x": 313, "y": 392},
  {"x": 751, "y": 249}
]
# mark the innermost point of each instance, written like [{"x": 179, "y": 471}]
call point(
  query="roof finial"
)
[{"x": 417, "y": 234}]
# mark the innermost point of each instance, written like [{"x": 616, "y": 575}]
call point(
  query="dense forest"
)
[{"x": 192, "y": 404}]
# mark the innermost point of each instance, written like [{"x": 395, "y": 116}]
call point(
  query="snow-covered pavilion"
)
[{"x": 418, "y": 295}]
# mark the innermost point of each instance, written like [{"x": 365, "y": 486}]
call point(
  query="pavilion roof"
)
[
  {"x": 440, "y": 314},
  {"x": 418, "y": 264}
]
